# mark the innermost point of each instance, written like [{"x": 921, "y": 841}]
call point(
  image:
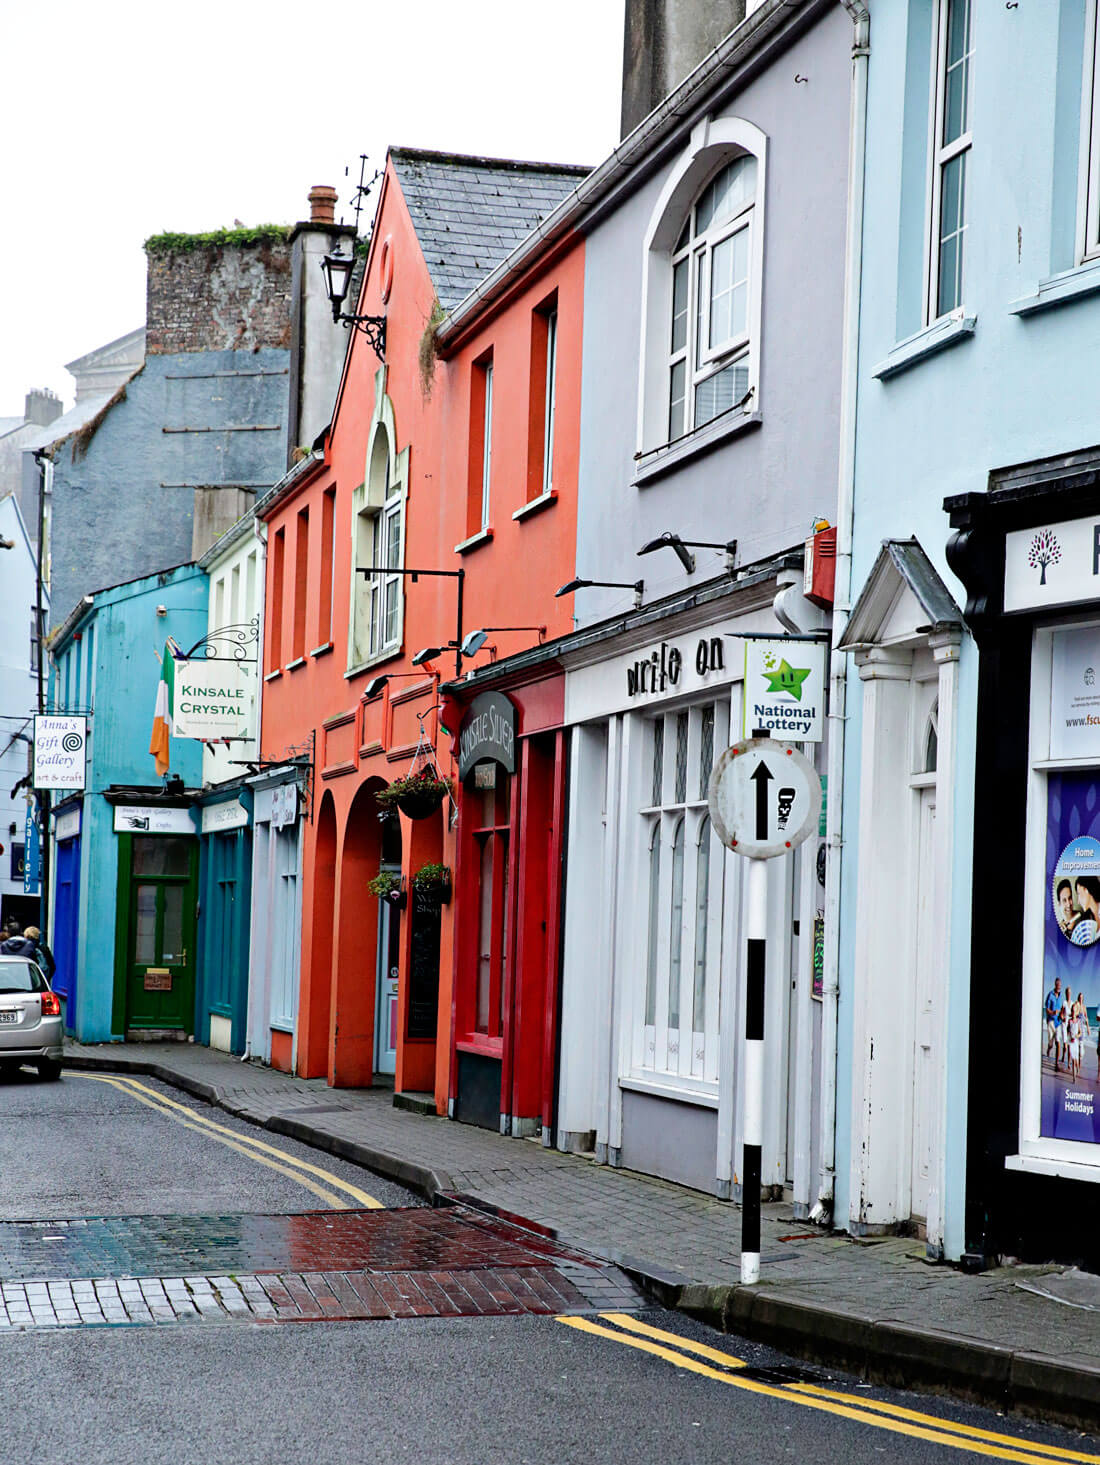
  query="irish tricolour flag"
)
[{"x": 166, "y": 701}]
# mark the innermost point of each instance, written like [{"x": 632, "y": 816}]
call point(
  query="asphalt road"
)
[
  {"x": 86, "y": 1147},
  {"x": 614, "y": 1386}
]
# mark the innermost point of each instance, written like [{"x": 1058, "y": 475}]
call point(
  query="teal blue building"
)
[
  {"x": 126, "y": 850},
  {"x": 969, "y": 613}
]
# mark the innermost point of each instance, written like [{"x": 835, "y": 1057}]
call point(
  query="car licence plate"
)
[{"x": 9, "y": 1016}]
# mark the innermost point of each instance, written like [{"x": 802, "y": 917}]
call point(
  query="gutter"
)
[
  {"x": 72, "y": 620},
  {"x": 663, "y": 122},
  {"x": 290, "y": 480},
  {"x": 822, "y": 1211}
]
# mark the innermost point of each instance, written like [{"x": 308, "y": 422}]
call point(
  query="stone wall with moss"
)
[{"x": 229, "y": 291}]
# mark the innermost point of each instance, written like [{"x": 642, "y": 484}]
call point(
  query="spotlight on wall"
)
[
  {"x": 373, "y": 687},
  {"x": 638, "y": 587},
  {"x": 162, "y": 610},
  {"x": 429, "y": 653},
  {"x": 682, "y": 547}
]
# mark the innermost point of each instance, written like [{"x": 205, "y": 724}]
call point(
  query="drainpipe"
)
[
  {"x": 838, "y": 671},
  {"x": 40, "y": 635},
  {"x": 261, "y": 582}
]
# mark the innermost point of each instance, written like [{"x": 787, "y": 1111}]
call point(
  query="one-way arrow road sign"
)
[{"x": 765, "y": 798}]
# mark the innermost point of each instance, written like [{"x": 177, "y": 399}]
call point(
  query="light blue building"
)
[
  {"x": 979, "y": 317},
  {"x": 125, "y": 851}
]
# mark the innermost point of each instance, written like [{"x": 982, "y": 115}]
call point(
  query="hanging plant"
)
[
  {"x": 417, "y": 795},
  {"x": 387, "y": 885},
  {"x": 434, "y": 881}
]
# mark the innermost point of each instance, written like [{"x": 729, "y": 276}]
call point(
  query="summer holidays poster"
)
[{"x": 1070, "y": 1049}]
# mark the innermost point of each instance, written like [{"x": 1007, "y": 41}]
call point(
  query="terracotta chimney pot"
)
[{"x": 322, "y": 204}]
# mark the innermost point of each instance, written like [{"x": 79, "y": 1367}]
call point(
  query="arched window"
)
[
  {"x": 708, "y": 362},
  {"x": 701, "y": 314},
  {"x": 378, "y": 512}
]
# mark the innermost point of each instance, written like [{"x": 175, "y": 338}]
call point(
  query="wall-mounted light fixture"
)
[
  {"x": 682, "y": 549},
  {"x": 476, "y": 639},
  {"x": 162, "y": 610},
  {"x": 375, "y": 685},
  {"x": 337, "y": 268},
  {"x": 638, "y": 587}
]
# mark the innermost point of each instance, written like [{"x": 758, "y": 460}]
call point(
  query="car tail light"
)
[{"x": 51, "y": 1004}]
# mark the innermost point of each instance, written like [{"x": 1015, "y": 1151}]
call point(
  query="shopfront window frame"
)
[
  {"x": 1044, "y": 1154},
  {"x": 668, "y": 843}
]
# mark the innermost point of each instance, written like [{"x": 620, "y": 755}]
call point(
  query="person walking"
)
[{"x": 31, "y": 945}]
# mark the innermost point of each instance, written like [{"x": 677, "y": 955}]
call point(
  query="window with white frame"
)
[
  {"x": 676, "y": 1031},
  {"x": 379, "y": 537},
  {"x": 708, "y": 370},
  {"x": 703, "y": 266},
  {"x": 950, "y": 156},
  {"x": 1089, "y": 222}
]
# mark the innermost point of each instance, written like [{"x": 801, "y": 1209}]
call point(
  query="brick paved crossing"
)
[{"x": 334, "y": 1265}]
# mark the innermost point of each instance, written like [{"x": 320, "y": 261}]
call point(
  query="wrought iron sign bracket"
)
[{"x": 237, "y": 638}]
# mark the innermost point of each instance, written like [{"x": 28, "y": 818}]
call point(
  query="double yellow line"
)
[
  {"x": 685, "y": 1353},
  {"x": 338, "y": 1194}
]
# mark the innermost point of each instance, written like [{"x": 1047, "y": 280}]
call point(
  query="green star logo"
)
[{"x": 787, "y": 678}]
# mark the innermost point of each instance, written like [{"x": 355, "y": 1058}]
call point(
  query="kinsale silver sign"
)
[{"x": 487, "y": 734}]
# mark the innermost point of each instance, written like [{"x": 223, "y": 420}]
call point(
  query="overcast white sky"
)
[{"x": 125, "y": 119}]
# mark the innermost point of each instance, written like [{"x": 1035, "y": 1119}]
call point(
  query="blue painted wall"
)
[
  {"x": 108, "y": 664},
  {"x": 1019, "y": 388}
]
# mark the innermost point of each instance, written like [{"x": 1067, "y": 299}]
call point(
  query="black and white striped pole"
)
[{"x": 765, "y": 799}]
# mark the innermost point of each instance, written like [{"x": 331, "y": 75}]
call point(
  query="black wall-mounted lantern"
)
[{"x": 337, "y": 268}]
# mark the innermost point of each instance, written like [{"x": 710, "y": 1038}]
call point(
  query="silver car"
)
[{"x": 30, "y": 1018}]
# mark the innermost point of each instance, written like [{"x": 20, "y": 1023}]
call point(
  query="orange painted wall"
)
[{"x": 511, "y": 580}]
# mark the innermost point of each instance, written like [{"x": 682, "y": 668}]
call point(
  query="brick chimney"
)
[{"x": 322, "y": 204}]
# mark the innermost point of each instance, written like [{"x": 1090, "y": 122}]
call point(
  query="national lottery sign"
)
[{"x": 60, "y": 752}]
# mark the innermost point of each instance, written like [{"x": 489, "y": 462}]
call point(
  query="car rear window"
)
[{"x": 21, "y": 976}]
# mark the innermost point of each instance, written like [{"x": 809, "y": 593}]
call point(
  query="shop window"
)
[
  {"x": 704, "y": 258},
  {"x": 951, "y": 141},
  {"x": 677, "y": 1037},
  {"x": 491, "y": 839}
]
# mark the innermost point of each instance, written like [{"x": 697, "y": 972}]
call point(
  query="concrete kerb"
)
[{"x": 881, "y": 1350}]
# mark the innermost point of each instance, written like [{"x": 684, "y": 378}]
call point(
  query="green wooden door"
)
[{"x": 160, "y": 974}]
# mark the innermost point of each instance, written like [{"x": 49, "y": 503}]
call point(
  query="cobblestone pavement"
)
[{"x": 320, "y": 1265}]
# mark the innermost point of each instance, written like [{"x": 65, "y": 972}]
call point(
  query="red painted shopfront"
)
[
  {"x": 511, "y": 759},
  {"x": 458, "y": 452}
]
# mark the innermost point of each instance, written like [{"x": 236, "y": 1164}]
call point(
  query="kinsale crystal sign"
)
[
  {"x": 785, "y": 689},
  {"x": 213, "y": 699}
]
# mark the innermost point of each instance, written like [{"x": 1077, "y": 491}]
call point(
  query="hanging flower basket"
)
[
  {"x": 387, "y": 885},
  {"x": 433, "y": 882},
  {"x": 417, "y": 795}
]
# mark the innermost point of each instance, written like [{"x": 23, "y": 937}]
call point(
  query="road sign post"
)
[{"x": 765, "y": 799}]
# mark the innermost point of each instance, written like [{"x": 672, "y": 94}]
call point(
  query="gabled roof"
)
[
  {"x": 9, "y": 424},
  {"x": 901, "y": 565},
  {"x": 68, "y": 423},
  {"x": 470, "y": 212}
]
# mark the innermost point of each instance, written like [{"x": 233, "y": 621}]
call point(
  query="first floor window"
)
[
  {"x": 1090, "y": 222},
  {"x": 380, "y": 535},
  {"x": 682, "y": 889},
  {"x": 708, "y": 370},
  {"x": 950, "y": 157}
]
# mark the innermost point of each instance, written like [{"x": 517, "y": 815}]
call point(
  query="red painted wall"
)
[{"x": 511, "y": 578}]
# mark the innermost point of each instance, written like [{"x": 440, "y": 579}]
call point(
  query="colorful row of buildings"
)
[{"x": 805, "y": 359}]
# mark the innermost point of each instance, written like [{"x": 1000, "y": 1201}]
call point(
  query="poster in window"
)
[{"x": 1070, "y": 1048}]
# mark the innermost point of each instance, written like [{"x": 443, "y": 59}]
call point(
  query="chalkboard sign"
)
[{"x": 424, "y": 964}]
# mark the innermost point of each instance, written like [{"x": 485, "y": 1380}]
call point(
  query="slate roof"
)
[{"x": 470, "y": 212}]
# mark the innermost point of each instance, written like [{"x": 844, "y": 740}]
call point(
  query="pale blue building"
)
[
  {"x": 976, "y": 413},
  {"x": 126, "y": 852}
]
